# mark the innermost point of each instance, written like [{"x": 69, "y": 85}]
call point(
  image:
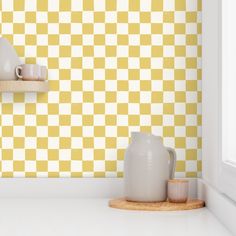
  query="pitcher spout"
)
[{"x": 141, "y": 136}]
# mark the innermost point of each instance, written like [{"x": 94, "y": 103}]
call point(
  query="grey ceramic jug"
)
[
  {"x": 147, "y": 168},
  {"x": 8, "y": 60}
]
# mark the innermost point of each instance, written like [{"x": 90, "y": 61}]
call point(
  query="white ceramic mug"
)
[
  {"x": 178, "y": 190},
  {"x": 31, "y": 72}
]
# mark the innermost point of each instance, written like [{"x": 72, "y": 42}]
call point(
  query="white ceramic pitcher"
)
[
  {"x": 147, "y": 168},
  {"x": 8, "y": 60}
]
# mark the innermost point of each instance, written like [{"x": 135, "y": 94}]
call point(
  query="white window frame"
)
[{"x": 227, "y": 169}]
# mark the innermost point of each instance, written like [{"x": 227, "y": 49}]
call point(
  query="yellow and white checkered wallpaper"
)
[{"x": 114, "y": 67}]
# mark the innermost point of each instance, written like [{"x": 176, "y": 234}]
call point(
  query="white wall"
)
[{"x": 210, "y": 83}]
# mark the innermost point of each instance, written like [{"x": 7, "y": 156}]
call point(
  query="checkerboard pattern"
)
[{"x": 114, "y": 67}]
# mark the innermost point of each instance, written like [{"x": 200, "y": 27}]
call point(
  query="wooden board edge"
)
[
  {"x": 121, "y": 204},
  {"x": 24, "y": 86}
]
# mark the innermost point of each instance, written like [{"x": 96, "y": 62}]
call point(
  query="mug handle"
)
[
  {"x": 18, "y": 69},
  {"x": 172, "y": 163}
]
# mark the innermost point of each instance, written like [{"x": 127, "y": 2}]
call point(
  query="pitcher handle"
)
[{"x": 172, "y": 162}]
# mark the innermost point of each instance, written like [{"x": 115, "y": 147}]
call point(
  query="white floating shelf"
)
[{"x": 23, "y": 86}]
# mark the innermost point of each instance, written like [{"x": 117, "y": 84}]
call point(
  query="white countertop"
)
[{"x": 89, "y": 217}]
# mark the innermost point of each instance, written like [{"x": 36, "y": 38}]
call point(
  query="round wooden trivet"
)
[{"x": 121, "y": 203}]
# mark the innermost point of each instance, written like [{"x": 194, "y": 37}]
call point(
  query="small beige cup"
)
[
  {"x": 178, "y": 190},
  {"x": 31, "y": 72},
  {"x": 43, "y": 74}
]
